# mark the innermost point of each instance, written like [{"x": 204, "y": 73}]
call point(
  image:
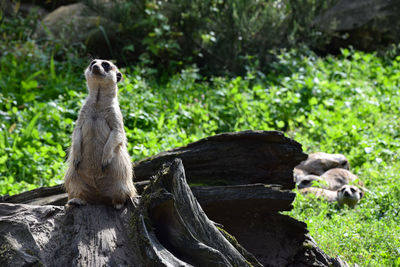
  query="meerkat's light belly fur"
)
[
  {"x": 95, "y": 132},
  {"x": 98, "y": 185}
]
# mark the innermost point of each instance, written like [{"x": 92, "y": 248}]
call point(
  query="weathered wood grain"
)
[
  {"x": 169, "y": 224},
  {"x": 247, "y": 157},
  {"x": 166, "y": 227}
]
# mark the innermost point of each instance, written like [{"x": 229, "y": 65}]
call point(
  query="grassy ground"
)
[{"x": 348, "y": 104}]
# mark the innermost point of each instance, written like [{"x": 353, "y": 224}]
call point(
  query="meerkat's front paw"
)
[
  {"x": 104, "y": 166},
  {"x": 76, "y": 162},
  {"x": 106, "y": 160}
]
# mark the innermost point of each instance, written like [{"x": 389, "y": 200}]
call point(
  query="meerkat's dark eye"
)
[
  {"x": 106, "y": 66},
  {"x": 119, "y": 76},
  {"x": 93, "y": 62},
  {"x": 353, "y": 190}
]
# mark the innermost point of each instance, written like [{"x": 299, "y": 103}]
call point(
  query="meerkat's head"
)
[
  {"x": 306, "y": 181},
  {"x": 102, "y": 74},
  {"x": 341, "y": 161},
  {"x": 349, "y": 195}
]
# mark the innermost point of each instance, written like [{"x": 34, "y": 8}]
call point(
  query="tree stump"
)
[
  {"x": 171, "y": 224},
  {"x": 166, "y": 227}
]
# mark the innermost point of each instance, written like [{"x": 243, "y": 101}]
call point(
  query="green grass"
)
[
  {"x": 348, "y": 104},
  {"x": 367, "y": 235}
]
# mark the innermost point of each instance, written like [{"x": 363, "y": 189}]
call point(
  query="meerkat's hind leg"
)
[
  {"x": 118, "y": 206},
  {"x": 75, "y": 202},
  {"x": 118, "y": 201}
]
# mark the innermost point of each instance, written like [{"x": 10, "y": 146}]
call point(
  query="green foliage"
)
[
  {"x": 37, "y": 117},
  {"x": 220, "y": 37},
  {"x": 36, "y": 111},
  {"x": 366, "y": 235}
]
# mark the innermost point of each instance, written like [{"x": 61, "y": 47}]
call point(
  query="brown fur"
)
[
  {"x": 332, "y": 179},
  {"x": 304, "y": 181},
  {"x": 337, "y": 177},
  {"x": 328, "y": 195},
  {"x": 346, "y": 195},
  {"x": 319, "y": 162},
  {"x": 99, "y": 166},
  {"x": 331, "y": 172},
  {"x": 349, "y": 195}
]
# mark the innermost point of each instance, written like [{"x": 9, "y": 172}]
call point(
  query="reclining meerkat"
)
[
  {"x": 328, "y": 176},
  {"x": 336, "y": 178},
  {"x": 99, "y": 166},
  {"x": 326, "y": 194},
  {"x": 320, "y": 162},
  {"x": 345, "y": 195},
  {"x": 349, "y": 195},
  {"x": 303, "y": 181},
  {"x": 332, "y": 179}
]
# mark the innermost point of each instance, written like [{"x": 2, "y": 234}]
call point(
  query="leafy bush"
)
[
  {"x": 36, "y": 111},
  {"x": 220, "y": 37}
]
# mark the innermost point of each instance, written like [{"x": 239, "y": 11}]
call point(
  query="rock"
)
[
  {"x": 77, "y": 23},
  {"x": 364, "y": 24}
]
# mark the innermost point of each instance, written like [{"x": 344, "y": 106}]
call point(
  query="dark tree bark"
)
[
  {"x": 246, "y": 157},
  {"x": 235, "y": 197},
  {"x": 166, "y": 228}
]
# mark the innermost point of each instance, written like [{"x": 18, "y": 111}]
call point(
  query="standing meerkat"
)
[{"x": 99, "y": 166}]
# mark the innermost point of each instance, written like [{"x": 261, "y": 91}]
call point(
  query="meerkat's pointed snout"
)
[{"x": 95, "y": 69}]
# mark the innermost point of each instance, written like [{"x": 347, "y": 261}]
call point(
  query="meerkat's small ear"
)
[{"x": 119, "y": 76}]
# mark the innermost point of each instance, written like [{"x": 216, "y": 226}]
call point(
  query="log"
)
[
  {"x": 247, "y": 157},
  {"x": 54, "y": 195},
  {"x": 164, "y": 227},
  {"x": 274, "y": 239},
  {"x": 240, "y": 158},
  {"x": 234, "y": 198},
  {"x": 167, "y": 225}
]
